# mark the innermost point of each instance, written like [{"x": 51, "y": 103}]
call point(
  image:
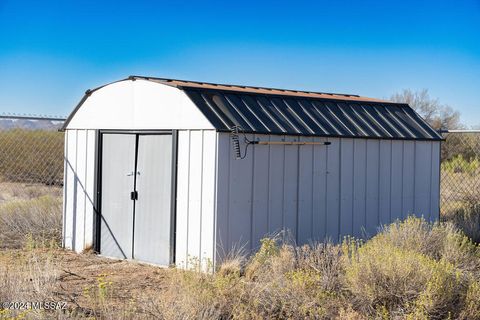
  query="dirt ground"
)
[{"x": 79, "y": 277}]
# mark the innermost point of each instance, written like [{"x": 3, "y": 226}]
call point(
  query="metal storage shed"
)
[{"x": 154, "y": 173}]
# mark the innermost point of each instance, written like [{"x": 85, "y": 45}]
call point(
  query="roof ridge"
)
[{"x": 242, "y": 86}]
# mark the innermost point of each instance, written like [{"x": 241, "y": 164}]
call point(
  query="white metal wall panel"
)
[
  {"x": 80, "y": 149},
  {"x": 195, "y": 233},
  {"x": 90, "y": 187},
  {"x": 70, "y": 185},
  {"x": 183, "y": 173},
  {"x": 195, "y": 195},
  {"x": 80, "y": 175},
  {"x": 208, "y": 197},
  {"x": 350, "y": 187}
]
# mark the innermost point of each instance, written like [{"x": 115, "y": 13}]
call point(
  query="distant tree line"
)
[{"x": 442, "y": 117}]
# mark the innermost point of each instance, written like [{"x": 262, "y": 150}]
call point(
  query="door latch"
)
[{"x": 134, "y": 195}]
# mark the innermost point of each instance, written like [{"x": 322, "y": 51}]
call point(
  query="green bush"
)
[{"x": 458, "y": 164}]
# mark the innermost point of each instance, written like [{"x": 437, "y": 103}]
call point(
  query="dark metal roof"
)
[{"x": 302, "y": 115}]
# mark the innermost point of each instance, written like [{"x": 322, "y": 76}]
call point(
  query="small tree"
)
[{"x": 439, "y": 116}]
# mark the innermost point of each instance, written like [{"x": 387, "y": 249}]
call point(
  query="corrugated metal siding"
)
[
  {"x": 195, "y": 197},
  {"x": 276, "y": 114},
  {"x": 350, "y": 187},
  {"x": 79, "y": 189}
]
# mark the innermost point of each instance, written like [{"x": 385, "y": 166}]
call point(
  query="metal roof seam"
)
[
  {"x": 311, "y": 117},
  {"x": 375, "y": 121}
]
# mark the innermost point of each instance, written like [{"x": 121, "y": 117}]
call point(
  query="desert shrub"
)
[
  {"x": 411, "y": 268},
  {"x": 34, "y": 222},
  {"x": 279, "y": 282},
  {"x": 471, "y": 308},
  {"x": 459, "y": 164},
  {"x": 465, "y": 216}
]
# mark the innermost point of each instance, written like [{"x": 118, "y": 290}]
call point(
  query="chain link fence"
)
[
  {"x": 460, "y": 180},
  {"x": 31, "y": 178},
  {"x": 31, "y": 175}
]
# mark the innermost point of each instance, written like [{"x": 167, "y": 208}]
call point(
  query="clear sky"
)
[{"x": 52, "y": 51}]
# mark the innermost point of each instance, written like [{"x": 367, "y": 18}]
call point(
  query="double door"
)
[{"x": 136, "y": 197}]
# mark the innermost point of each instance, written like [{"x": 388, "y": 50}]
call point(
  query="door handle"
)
[{"x": 132, "y": 173}]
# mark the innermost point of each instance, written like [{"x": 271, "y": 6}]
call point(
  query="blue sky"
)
[{"x": 52, "y": 51}]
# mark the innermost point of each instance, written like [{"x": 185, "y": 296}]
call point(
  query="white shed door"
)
[
  {"x": 118, "y": 166},
  {"x": 136, "y": 197},
  {"x": 153, "y": 206}
]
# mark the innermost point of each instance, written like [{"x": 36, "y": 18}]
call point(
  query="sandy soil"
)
[{"x": 127, "y": 281}]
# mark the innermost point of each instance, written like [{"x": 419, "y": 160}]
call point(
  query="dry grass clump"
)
[
  {"x": 411, "y": 270},
  {"x": 465, "y": 216},
  {"x": 36, "y": 221},
  {"x": 279, "y": 282}
]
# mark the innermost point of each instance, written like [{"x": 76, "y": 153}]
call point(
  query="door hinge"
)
[{"x": 134, "y": 195}]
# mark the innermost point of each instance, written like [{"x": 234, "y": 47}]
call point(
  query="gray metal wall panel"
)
[
  {"x": 290, "y": 188},
  {"x": 332, "y": 223},
  {"x": 359, "y": 187},
  {"x": 372, "y": 187},
  {"x": 423, "y": 163},
  {"x": 276, "y": 181},
  {"x": 396, "y": 182},
  {"x": 222, "y": 196},
  {"x": 347, "y": 160},
  {"x": 385, "y": 174},
  {"x": 319, "y": 226},
  {"x": 435, "y": 182},
  {"x": 240, "y": 200},
  {"x": 408, "y": 189},
  {"x": 260, "y": 203},
  {"x": 349, "y": 187},
  {"x": 305, "y": 191}
]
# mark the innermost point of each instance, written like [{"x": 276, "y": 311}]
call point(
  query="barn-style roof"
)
[{"x": 277, "y": 111}]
